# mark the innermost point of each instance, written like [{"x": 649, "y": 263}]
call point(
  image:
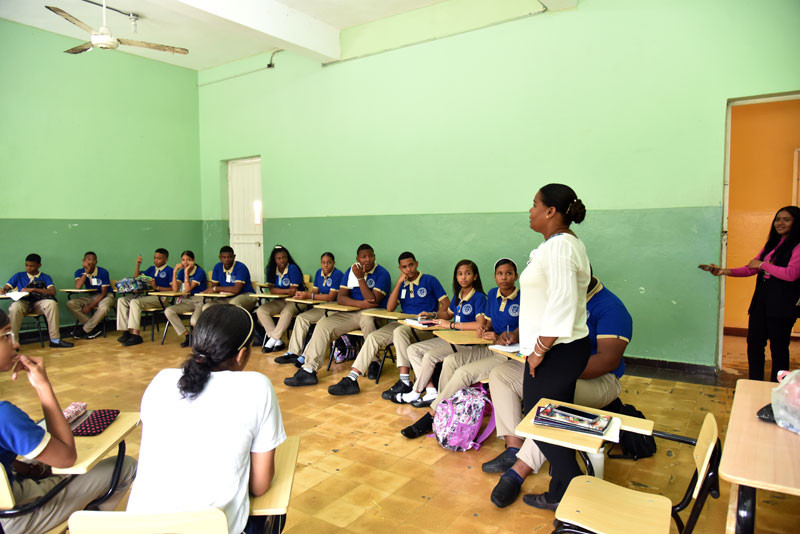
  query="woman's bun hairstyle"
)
[{"x": 565, "y": 201}]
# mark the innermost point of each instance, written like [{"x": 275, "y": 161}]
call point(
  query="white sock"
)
[
  {"x": 307, "y": 370},
  {"x": 271, "y": 343},
  {"x": 353, "y": 376},
  {"x": 430, "y": 394},
  {"x": 406, "y": 378},
  {"x": 412, "y": 396},
  {"x": 278, "y": 343}
]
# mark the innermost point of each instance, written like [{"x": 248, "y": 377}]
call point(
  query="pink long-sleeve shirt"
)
[{"x": 790, "y": 273}]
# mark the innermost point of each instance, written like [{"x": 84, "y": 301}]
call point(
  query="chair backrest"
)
[
  {"x": 706, "y": 440},
  {"x": 6, "y": 496},
  {"x": 209, "y": 521}
]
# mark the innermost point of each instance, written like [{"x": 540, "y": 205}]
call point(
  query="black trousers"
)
[
  {"x": 555, "y": 379},
  {"x": 760, "y": 328}
]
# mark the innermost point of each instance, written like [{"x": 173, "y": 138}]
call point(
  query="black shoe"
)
[
  {"x": 280, "y": 345},
  {"x": 124, "y": 337},
  {"x": 266, "y": 350},
  {"x": 79, "y": 333},
  {"x": 372, "y": 372},
  {"x": 505, "y": 492},
  {"x": 502, "y": 463},
  {"x": 397, "y": 398},
  {"x": 61, "y": 344},
  {"x": 301, "y": 378},
  {"x": 346, "y": 386},
  {"x": 287, "y": 358},
  {"x": 187, "y": 341},
  {"x": 419, "y": 403},
  {"x": 537, "y": 500},
  {"x": 398, "y": 387},
  {"x": 96, "y": 332},
  {"x": 423, "y": 426},
  {"x": 298, "y": 363},
  {"x": 133, "y": 340}
]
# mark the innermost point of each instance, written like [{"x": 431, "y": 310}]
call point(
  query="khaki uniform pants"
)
[
  {"x": 424, "y": 356},
  {"x": 330, "y": 328},
  {"x": 245, "y": 301},
  {"x": 74, "y": 496},
  {"x": 89, "y": 323},
  {"x": 505, "y": 383},
  {"x": 287, "y": 311},
  {"x": 402, "y": 336},
  {"x": 47, "y": 307},
  {"x": 192, "y": 304},
  {"x": 302, "y": 324},
  {"x": 129, "y": 310},
  {"x": 464, "y": 368}
]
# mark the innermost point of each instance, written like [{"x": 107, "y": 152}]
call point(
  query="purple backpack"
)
[{"x": 458, "y": 419}]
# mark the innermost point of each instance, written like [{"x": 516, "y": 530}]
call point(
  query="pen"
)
[{"x": 508, "y": 336}]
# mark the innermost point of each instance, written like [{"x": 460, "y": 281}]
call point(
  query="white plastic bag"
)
[{"x": 786, "y": 402}]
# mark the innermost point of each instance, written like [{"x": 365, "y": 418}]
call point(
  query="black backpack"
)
[{"x": 634, "y": 446}]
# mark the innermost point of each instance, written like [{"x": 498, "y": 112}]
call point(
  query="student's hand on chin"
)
[{"x": 358, "y": 270}]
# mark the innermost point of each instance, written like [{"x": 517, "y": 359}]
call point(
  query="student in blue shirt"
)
[
  {"x": 284, "y": 277},
  {"x": 325, "y": 289},
  {"x": 417, "y": 294},
  {"x": 468, "y": 302},
  {"x": 95, "y": 278},
  {"x": 195, "y": 284},
  {"x": 20, "y": 436},
  {"x": 231, "y": 276},
  {"x": 41, "y": 299},
  {"x": 129, "y": 308},
  {"x": 365, "y": 285}
]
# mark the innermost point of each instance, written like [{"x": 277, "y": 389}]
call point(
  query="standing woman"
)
[
  {"x": 552, "y": 322},
  {"x": 773, "y": 308}
]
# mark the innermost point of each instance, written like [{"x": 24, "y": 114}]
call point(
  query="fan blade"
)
[
  {"x": 80, "y": 48},
  {"x": 60, "y": 12},
  {"x": 154, "y": 46}
]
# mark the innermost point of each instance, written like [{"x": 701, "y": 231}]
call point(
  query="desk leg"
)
[
  {"x": 746, "y": 513},
  {"x": 114, "y": 478},
  {"x": 453, "y": 347},
  {"x": 587, "y": 462}
]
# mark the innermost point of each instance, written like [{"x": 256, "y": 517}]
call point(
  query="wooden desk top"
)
[
  {"x": 4, "y": 297},
  {"x": 462, "y": 337},
  {"x": 267, "y": 296},
  {"x": 260, "y": 284},
  {"x": 383, "y": 313},
  {"x": 78, "y": 290},
  {"x": 513, "y": 355},
  {"x": 335, "y": 306},
  {"x": 276, "y": 500},
  {"x": 92, "y": 449},
  {"x": 304, "y": 301},
  {"x": 426, "y": 328},
  {"x": 221, "y": 295},
  {"x": 759, "y": 454},
  {"x": 168, "y": 293}
]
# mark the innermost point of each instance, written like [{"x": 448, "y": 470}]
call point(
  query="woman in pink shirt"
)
[{"x": 773, "y": 309}]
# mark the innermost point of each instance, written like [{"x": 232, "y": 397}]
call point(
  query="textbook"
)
[
  {"x": 566, "y": 418},
  {"x": 424, "y": 323},
  {"x": 513, "y": 348}
]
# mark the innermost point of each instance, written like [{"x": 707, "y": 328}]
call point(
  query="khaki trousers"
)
[
  {"x": 302, "y": 324},
  {"x": 402, "y": 336},
  {"x": 330, "y": 328},
  {"x": 244, "y": 300},
  {"x": 74, "y": 496},
  {"x": 192, "y": 304},
  {"x": 89, "y": 323},
  {"x": 47, "y": 307},
  {"x": 464, "y": 368},
  {"x": 287, "y": 311},
  {"x": 424, "y": 356},
  {"x": 129, "y": 310}
]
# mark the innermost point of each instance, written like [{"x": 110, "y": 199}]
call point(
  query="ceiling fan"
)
[{"x": 104, "y": 39}]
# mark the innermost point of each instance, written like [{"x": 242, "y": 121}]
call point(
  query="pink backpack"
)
[{"x": 458, "y": 419}]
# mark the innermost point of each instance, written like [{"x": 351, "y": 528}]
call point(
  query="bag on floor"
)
[
  {"x": 458, "y": 419},
  {"x": 634, "y": 446},
  {"x": 344, "y": 349}
]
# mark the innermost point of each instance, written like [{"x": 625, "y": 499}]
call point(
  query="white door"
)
[{"x": 244, "y": 208}]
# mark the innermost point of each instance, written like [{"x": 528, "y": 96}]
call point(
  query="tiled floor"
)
[{"x": 357, "y": 474}]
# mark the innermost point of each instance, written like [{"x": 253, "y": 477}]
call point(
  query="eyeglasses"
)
[{"x": 9, "y": 336}]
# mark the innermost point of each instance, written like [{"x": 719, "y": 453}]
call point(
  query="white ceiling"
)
[{"x": 215, "y": 32}]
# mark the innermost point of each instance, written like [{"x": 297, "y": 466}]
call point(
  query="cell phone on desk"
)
[{"x": 566, "y": 410}]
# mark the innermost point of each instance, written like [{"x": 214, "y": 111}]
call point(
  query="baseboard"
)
[
  {"x": 742, "y": 332},
  {"x": 690, "y": 368}
]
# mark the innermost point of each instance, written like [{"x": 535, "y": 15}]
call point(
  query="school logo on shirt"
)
[
  {"x": 466, "y": 309},
  {"x": 328, "y": 282},
  {"x": 162, "y": 274},
  {"x": 513, "y": 310},
  {"x": 422, "y": 292},
  {"x": 370, "y": 283},
  {"x": 285, "y": 282}
]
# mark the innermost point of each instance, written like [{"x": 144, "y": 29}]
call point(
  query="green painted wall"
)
[{"x": 100, "y": 135}]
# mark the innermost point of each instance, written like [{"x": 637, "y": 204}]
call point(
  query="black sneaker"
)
[
  {"x": 502, "y": 463},
  {"x": 346, "y": 386},
  {"x": 423, "y": 426},
  {"x": 372, "y": 372},
  {"x": 96, "y": 332},
  {"x": 301, "y": 378},
  {"x": 398, "y": 387},
  {"x": 79, "y": 333},
  {"x": 280, "y": 345},
  {"x": 505, "y": 492},
  {"x": 187, "y": 342},
  {"x": 266, "y": 350},
  {"x": 537, "y": 500},
  {"x": 61, "y": 344},
  {"x": 124, "y": 337},
  {"x": 133, "y": 340},
  {"x": 287, "y": 358}
]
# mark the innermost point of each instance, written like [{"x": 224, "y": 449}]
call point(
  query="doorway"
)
[{"x": 245, "y": 214}]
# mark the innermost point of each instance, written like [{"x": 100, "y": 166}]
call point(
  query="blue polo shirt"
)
[
  {"x": 326, "y": 284},
  {"x": 238, "y": 273},
  {"x": 199, "y": 275},
  {"x": 292, "y": 277},
  {"x": 503, "y": 312},
  {"x": 607, "y": 317},
  {"x": 21, "y": 280},
  {"x": 421, "y": 295},
  {"x": 95, "y": 282},
  {"x": 469, "y": 308},
  {"x": 163, "y": 277},
  {"x": 19, "y": 436},
  {"x": 378, "y": 278}
]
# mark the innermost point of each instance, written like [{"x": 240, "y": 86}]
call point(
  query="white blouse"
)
[{"x": 553, "y": 292}]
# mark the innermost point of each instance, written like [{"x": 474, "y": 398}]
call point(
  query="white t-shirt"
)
[
  {"x": 196, "y": 453},
  {"x": 553, "y": 292}
]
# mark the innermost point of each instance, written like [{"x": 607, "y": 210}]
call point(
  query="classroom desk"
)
[
  {"x": 172, "y": 294},
  {"x": 461, "y": 337},
  {"x": 756, "y": 454},
  {"x": 275, "y": 501},
  {"x": 383, "y": 313},
  {"x": 512, "y": 355},
  {"x": 423, "y": 328},
  {"x": 71, "y": 292},
  {"x": 268, "y": 296},
  {"x": 261, "y": 286},
  {"x": 307, "y": 302},
  {"x": 221, "y": 295},
  {"x": 336, "y": 307}
]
